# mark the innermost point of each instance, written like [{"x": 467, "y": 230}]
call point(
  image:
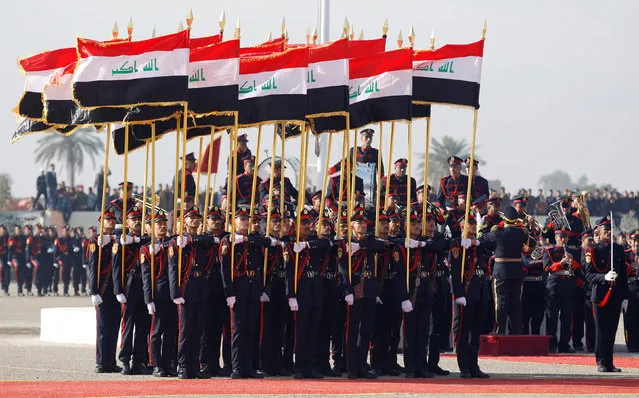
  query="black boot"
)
[
  {"x": 183, "y": 373},
  {"x": 126, "y": 369},
  {"x": 159, "y": 372}
]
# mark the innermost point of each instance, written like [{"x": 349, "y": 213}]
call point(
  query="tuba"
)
[
  {"x": 584, "y": 213},
  {"x": 557, "y": 216}
]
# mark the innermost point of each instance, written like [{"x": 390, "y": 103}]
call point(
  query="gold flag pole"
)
[
  {"x": 208, "y": 171},
  {"x": 177, "y": 170},
  {"x": 182, "y": 190},
  {"x": 471, "y": 168},
  {"x": 254, "y": 182},
  {"x": 152, "y": 209},
  {"x": 390, "y": 161},
  {"x": 354, "y": 169},
  {"x": 349, "y": 194},
  {"x": 380, "y": 172},
  {"x": 146, "y": 179},
  {"x": 342, "y": 171},
  {"x": 196, "y": 199},
  {"x": 213, "y": 188},
  {"x": 282, "y": 198},
  {"x": 125, "y": 191},
  {"x": 104, "y": 193},
  {"x": 270, "y": 199},
  {"x": 325, "y": 179},
  {"x": 233, "y": 189},
  {"x": 300, "y": 199},
  {"x": 229, "y": 169},
  {"x": 408, "y": 198}
]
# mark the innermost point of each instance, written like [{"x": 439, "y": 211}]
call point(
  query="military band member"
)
[
  {"x": 479, "y": 184},
  {"x": 34, "y": 246},
  {"x": 316, "y": 202},
  {"x": 525, "y": 220},
  {"x": 118, "y": 204},
  {"x": 189, "y": 189},
  {"x": 361, "y": 290},
  {"x": 127, "y": 286},
  {"x": 508, "y": 273},
  {"x": 243, "y": 183},
  {"x": 471, "y": 297},
  {"x": 5, "y": 268},
  {"x": 242, "y": 153},
  {"x": 108, "y": 311},
  {"x": 288, "y": 194},
  {"x": 533, "y": 294},
  {"x": 608, "y": 278},
  {"x": 157, "y": 297},
  {"x": 492, "y": 216},
  {"x": 588, "y": 242},
  {"x": 398, "y": 183},
  {"x": 631, "y": 314},
  {"x": 333, "y": 190},
  {"x": 454, "y": 184}
]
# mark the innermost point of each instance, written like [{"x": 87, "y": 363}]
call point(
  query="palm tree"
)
[
  {"x": 440, "y": 151},
  {"x": 70, "y": 150}
]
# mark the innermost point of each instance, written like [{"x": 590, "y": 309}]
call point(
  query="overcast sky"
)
[{"x": 557, "y": 91}]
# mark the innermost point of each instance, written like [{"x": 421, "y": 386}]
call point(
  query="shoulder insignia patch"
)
[
  {"x": 588, "y": 258},
  {"x": 92, "y": 248},
  {"x": 455, "y": 252},
  {"x": 115, "y": 248},
  {"x": 171, "y": 251},
  {"x": 225, "y": 249},
  {"x": 286, "y": 255},
  {"x": 142, "y": 258},
  {"x": 396, "y": 256},
  {"x": 495, "y": 228},
  {"x": 339, "y": 252}
]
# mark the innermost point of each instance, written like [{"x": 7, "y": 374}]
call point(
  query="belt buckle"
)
[
  {"x": 250, "y": 274},
  {"x": 566, "y": 272},
  {"x": 197, "y": 274}
]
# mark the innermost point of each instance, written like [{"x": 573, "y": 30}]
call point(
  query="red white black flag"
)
[
  {"x": 448, "y": 75},
  {"x": 327, "y": 79},
  {"x": 148, "y": 72}
]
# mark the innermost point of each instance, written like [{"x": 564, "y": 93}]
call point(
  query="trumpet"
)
[
  {"x": 149, "y": 205},
  {"x": 437, "y": 211}
]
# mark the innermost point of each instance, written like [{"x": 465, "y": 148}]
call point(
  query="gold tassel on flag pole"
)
[
  {"x": 196, "y": 199},
  {"x": 254, "y": 182},
  {"x": 270, "y": 199},
  {"x": 125, "y": 192},
  {"x": 152, "y": 209},
  {"x": 104, "y": 194},
  {"x": 208, "y": 171}
]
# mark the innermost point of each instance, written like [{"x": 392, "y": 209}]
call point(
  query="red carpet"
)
[
  {"x": 563, "y": 359},
  {"x": 175, "y": 387}
]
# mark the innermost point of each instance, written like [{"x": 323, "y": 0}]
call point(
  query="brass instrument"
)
[
  {"x": 147, "y": 204},
  {"x": 558, "y": 217},
  {"x": 584, "y": 213},
  {"x": 438, "y": 212}
]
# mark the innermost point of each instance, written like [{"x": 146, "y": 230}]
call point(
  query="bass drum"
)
[{"x": 291, "y": 171}]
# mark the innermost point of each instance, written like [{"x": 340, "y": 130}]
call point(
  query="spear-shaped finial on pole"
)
[
  {"x": 116, "y": 31},
  {"x": 286, "y": 36},
  {"x": 385, "y": 28},
  {"x": 180, "y": 26},
  {"x": 283, "y": 26},
  {"x": 361, "y": 34},
  {"x": 308, "y": 35},
  {"x": 153, "y": 32},
  {"x": 345, "y": 27},
  {"x": 270, "y": 36},
  {"x": 314, "y": 34},
  {"x": 432, "y": 39},
  {"x": 222, "y": 21},
  {"x": 400, "y": 40},
  {"x": 129, "y": 28},
  {"x": 483, "y": 30},
  {"x": 237, "y": 28},
  {"x": 351, "y": 33},
  {"x": 189, "y": 19},
  {"x": 411, "y": 36}
]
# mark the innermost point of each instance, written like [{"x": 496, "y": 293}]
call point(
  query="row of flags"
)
[{"x": 137, "y": 82}]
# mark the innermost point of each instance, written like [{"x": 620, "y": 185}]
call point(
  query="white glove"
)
[
  {"x": 298, "y": 247},
  {"x": 354, "y": 247},
  {"x": 476, "y": 242},
  {"x": 96, "y": 299},
  {"x": 85, "y": 266},
  {"x": 349, "y": 299},
  {"x": 104, "y": 240},
  {"x": 55, "y": 264},
  {"x": 28, "y": 264},
  {"x": 292, "y": 302},
  {"x": 151, "y": 308},
  {"x": 610, "y": 276},
  {"x": 126, "y": 240},
  {"x": 407, "y": 306},
  {"x": 51, "y": 250},
  {"x": 121, "y": 298},
  {"x": 466, "y": 243},
  {"x": 461, "y": 301},
  {"x": 378, "y": 300},
  {"x": 179, "y": 301},
  {"x": 273, "y": 241},
  {"x": 181, "y": 241},
  {"x": 238, "y": 239},
  {"x": 413, "y": 244},
  {"x": 230, "y": 301},
  {"x": 76, "y": 249},
  {"x": 624, "y": 305},
  {"x": 264, "y": 298},
  {"x": 216, "y": 240}
]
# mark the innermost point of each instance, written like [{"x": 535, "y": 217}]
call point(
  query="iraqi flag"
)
[
  {"x": 273, "y": 87},
  {"x": 213, "y": 78},
  {"x": 327, "y": 79},
  {"x": 148, "y": 72},
  {"x": 38, "y": 70},
  {"x": 276, "y": 45},
  {"x": 448, "y": 75},
  {"x": 364, "y": 48},
  {"x": 197, "y": 42}
]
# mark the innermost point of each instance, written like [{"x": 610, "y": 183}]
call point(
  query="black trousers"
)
[
  {"x": 416, "y": 333},
  {"x": 38, "y": 274},
  {"x": 164, "y": 329},
  {"x": 79, "y": 276},
  {"x": 606, "y": 321},
  {"x": 508, "y": 297},
  {"x": 307, "y": 321},
  {"x": 136, "y": 324},
  {"x": 5, "y": 275},
  {"x": 29, "y": 268},
  {"x": 533, "y": 305},
  {"x": 108, "y": 317},
  {"x": 274, "y": 328},
  {"x": 631, "y": 318},
  {"x": 440, "y": 330},
  {"x": 578, "y": 317},
  {"x": 467, "y": 328},
  {"x": 559, "y": 309},
  {"x": 359, "y": 326},
  {"x": 65, "y": 270},
  {"x": 20, "y": 271},
  {"x": 289, "y": 341},
  {"x": 191, "y": 316},
  {"x": 590, "y": 325},
  {"x": 386, "y": 330},
  {"x": 338, "y": 334},
  {"x": 216, "y": 339},
  {"x": 329, "y": 327},
  {"x": 37, "y": 199},
  {"x": 55, "y": 276},
  {"x": 244, "y": 322}
]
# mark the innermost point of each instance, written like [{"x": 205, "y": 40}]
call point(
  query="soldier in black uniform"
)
[
  {"x": 127, "y": 286},
  {"x": 243, "y": 286},
  {"x": 471, "y": 297},
  {"x": 118, "y": 204},
  {"x": 157, "y": 296},
  {"x": 492, "y": 218},
  {"x": 333, "y": 190},
  {"x": 190, "y": 290},
  {"x": 107, "y": 308},
  {"x": 589, "y": 318},
  {"x": 34, "y": 250},
  {"x": 289, "y": 194},
  {"x": 606, "y": 273},
  {"x": 631, "y": 315},
  {"x": 243, "y": 183},
  {"x": 533, "y": 294},
  {"x": 243, "y": 152},
  {"x": 190, "y": 181},
  {"x": 454, "y": 184},
  {"x": 28, "y": 266},
  {"x": 508, "y": 272},
  {"x": 16, "y": 248},
  {"x": 479, "y": 185},
  {"x": 5, "y": 269},
  {"x": 361, "y": 289},
  {"x": 63, "y": 248},
  {"x": 398, "y": 182},
  {"x": 304, "y": 282},
  {"x": 76, "y": 260},
  {"x": 53, "y": 274},
  {"x": 561, "y": 267}
]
